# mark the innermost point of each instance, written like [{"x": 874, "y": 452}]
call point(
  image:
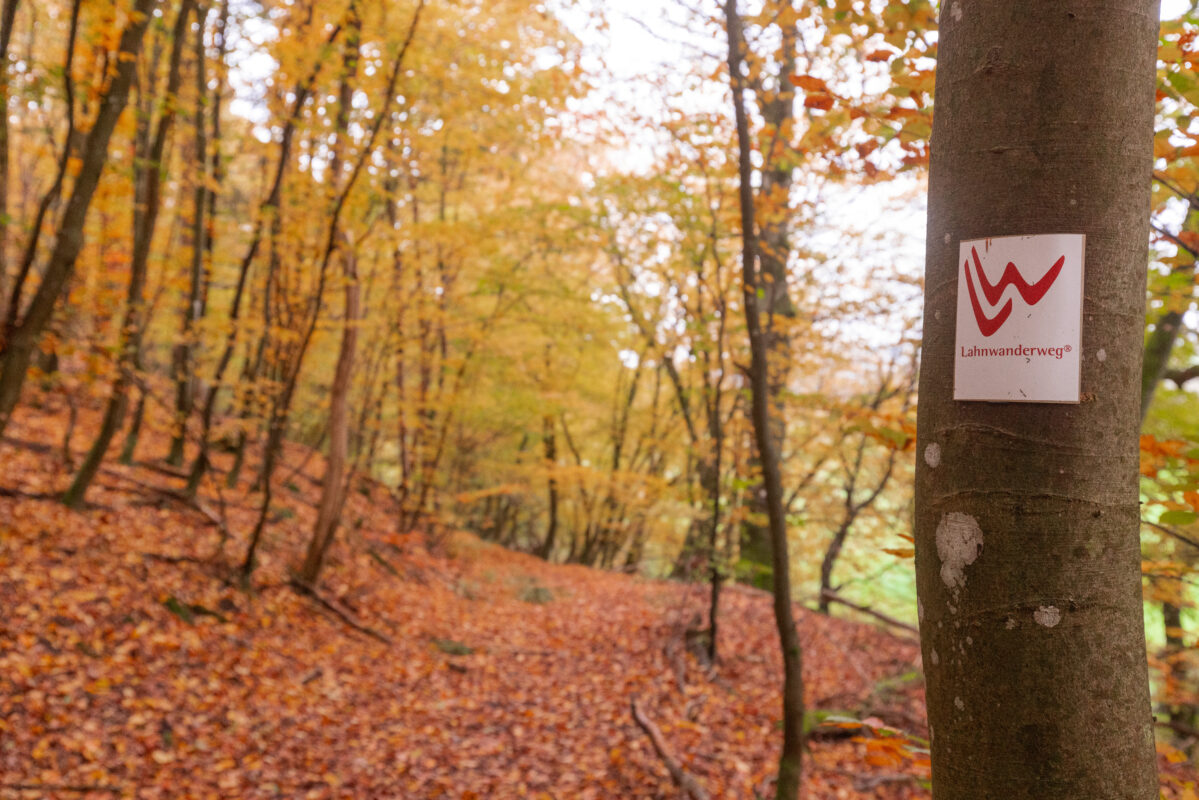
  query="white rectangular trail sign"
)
[{"x": 1019, "y": 319}]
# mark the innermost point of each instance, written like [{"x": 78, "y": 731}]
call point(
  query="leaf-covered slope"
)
[{"x": 129, "y": 664}]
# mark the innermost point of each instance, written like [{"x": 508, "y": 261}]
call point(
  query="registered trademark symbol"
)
[{"x": 1068, "y": 348}]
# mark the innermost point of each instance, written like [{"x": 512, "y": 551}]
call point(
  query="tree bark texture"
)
[{"x": 1027, "y": 516}]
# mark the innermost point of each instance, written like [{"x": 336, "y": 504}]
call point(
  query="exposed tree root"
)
[
  {"x": 342, "y": 614},
  {"x": 683, "y": 779}
]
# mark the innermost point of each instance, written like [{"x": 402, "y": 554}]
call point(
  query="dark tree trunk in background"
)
[
  {"x": 1179, "y": 711},
  {"x": 857, "y": 500},
  {"x": 148, "y": 175},
  {"x": 774, "y": 246},
  {"x": 148, "y": 193},
  {"x": 791, "y": 758},
  {"x": 333, "y": 487},
  {"x": 18, "y": 343},
  {"x": 550, "y": 444},
  {"x": 1166, "y": 330},
  {"x": 301, "y": 93},
  {"x": 8, "y": 13},
  {"x": 1033, "y": 642},
  {"x": 182, "y": 355},
  {"x": 1158, "y": 347}
]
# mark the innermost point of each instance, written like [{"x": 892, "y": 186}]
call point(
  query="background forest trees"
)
[
  {"x": 405, "y": 241},
  {"x": 449, "y": 247}
]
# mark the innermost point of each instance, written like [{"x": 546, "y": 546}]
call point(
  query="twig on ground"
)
[
  {"x": 383, "y": 562},
  {"x": 866, "y": 783},
  {"x": 178, "y": 496},
  {"x": 863, "y": 782},
  {"x": 165, "y": 469},
  {"x": 683, "y": 779},
  {"x": 342, "y": 614},
  {"x": 170, "y": 559}
]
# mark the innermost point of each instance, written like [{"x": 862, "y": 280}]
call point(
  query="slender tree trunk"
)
[
  {"x": 826, "y": 566},
  {"x": 149, "y": 175},
  {"x": 400, "y": 355},
  {"x": 269, "y": 206},
  {"x": 216, "y": 163},
  {"x": 791, "y": 758},
  {"x": 778, "y": 113},
  {"x": 551, "y": 461},
  {"x": 1180, "y": 712},
  {"x": 1158, "y": 347},
  {"x": 717, "y": 565},
  {"x": 334, "y": 485},
  {"x": 183, "y": 353},
  {"x": 854, "y": 507},
  {"x": 129, "y": 448},
  {"x": 48, "y": 205},
  {"x": 8, "y": 15},
  {"x": 340, "y": 194},
  {"x": 16, "y": 350},
  {"x": 1027, "y": 515}
]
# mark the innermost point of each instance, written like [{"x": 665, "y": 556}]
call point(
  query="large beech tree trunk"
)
[{"x": 1032, "y": 636}]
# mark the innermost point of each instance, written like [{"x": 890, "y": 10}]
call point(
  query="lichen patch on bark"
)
[
  {"x": 959, "y": 544},
  {"x": 932, "y": 455},
  {"x": 1048, "y": 616}
]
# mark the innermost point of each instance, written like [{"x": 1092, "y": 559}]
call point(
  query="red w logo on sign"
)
[{"x": 1031, "y": 293}]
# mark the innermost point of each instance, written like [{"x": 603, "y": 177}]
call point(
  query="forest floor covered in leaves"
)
[{"x": 133, "y": 665}]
